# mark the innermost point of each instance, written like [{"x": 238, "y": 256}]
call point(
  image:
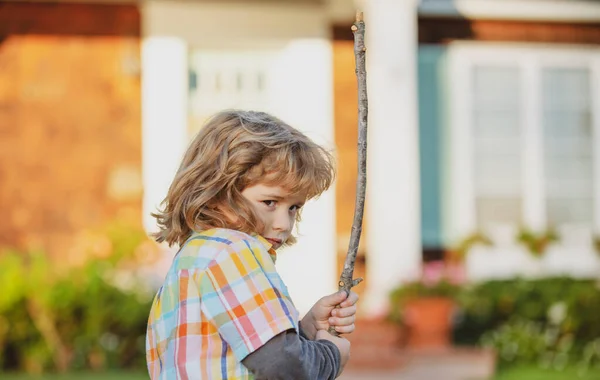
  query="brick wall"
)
[{"x": 70, "y": 128}]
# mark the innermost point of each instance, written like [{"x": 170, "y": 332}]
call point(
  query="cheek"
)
[{"x": 260, "y": 214}]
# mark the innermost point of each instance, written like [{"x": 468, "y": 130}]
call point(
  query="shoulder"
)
[
  {"x": 221, "y": 247},
  {"x": 240, "y": 249},
  {"x": 225, "y": 237},
  {"x": 203, "y": 248},
  {"x": 222, "y": 241}
]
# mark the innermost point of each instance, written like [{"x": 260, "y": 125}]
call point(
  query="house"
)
[{"x": 484, "y": 118}]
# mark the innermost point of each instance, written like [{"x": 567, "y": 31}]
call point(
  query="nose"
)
[{"x": 282, "y": 221}]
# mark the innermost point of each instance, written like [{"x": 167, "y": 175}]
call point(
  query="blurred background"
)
[{"x": 481, "y": 241}]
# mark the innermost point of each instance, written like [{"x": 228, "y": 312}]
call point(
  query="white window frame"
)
[
  {"x": 460, "y": 220},
  {"x": 206, "y": 100}
]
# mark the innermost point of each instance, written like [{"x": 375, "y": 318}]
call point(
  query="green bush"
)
[
  {"x": 92, "y": 315},
  {"x": 548, "y": 346},
  {"x": 486, "y": 306},
  {"x": 550, "y": 322},
  {"x": 522, "y": 342}
]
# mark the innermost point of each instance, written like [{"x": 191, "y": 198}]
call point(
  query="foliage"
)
[
  {"x": 533, "y": 372},
  {"x": 537, "y": 243},
  {"x": 87, "y": 313},
  {"x": 551, "y": 322},
  {"x": 521, "y": 341},
  {"x": 486, "y": 306},
  {"x": 550, "y": 346},
  {"x": 464, "y": 246},
  {"x": 101, "y": 375}
]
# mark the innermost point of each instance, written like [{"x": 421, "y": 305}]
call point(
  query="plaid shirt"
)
[{"x": 221, "y": 300}]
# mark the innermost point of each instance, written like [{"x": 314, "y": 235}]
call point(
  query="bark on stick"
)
[{"x": 346, "y": 280}]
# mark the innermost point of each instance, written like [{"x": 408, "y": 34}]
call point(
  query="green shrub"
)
[
  {"x": 522, "y": 341},
  {"x": 548, "y": 346},
  {"x": 92, "y": 315},
  {"x": 485, "y": 307}
]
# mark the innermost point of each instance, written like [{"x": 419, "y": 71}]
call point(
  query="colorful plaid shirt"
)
[{"x": 221, "y": 300}]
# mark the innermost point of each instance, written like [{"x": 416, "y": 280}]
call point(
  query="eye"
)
[
  {"x": 269, "y": 203},
  {"x": 295, "y": 208}
]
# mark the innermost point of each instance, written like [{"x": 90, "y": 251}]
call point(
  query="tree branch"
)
[{"x": 346, "y": 281}]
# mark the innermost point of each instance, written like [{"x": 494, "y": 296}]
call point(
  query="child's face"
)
[{"x": 276, "y": 208}]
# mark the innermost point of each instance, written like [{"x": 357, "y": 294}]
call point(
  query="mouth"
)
[{"x": 276, "y": 242}]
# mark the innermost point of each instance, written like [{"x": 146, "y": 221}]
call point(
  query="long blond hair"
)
[{"x": 236, "y": 149}]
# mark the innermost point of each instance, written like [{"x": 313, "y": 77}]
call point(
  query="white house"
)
[{"x": 484, "y": 116}]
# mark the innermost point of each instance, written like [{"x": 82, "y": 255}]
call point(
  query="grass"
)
[
  {"x": 534, "y": 373},
  {"x": 120, "y": 375},
  {"x": 516, "y": 373}
]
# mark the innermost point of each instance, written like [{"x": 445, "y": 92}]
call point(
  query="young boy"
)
[{"x": 223, "y": 312}]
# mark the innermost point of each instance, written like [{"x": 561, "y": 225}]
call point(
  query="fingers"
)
[
  {"x": 351, "y": 300},
  {"x": 340, "y": 298},
  {"x": 345, "y": 321},
  {"x": 344, "y": 312},
  {"x": 346, "y": 329},
  {"x": 334, "y": 299}
]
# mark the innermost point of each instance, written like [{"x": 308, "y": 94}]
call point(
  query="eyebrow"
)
[{"x": 273, "y": 196}]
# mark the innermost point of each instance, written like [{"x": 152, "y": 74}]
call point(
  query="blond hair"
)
[{"x": 234, "y": 150}]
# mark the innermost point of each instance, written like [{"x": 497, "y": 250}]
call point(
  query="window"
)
[
  {"x": 227, "y": 79},
  {"x": 524, "y": 138},
  {"x": 568, "y": 159},
  {"x": 496, "y": 115}
]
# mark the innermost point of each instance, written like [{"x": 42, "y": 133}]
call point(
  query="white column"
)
[
  {"x": 300, "y": 88},
  {"x": 459, "y": 198},
  {"x": 533, "y": 190},
  {"x": 393, "y": 204},
  {"x": 595, "y": 97},
  {"x": 164, "y": 118}
]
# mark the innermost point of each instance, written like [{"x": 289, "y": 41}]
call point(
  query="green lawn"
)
[
  {"x": 518, "y": 373},
  {"x": 534, "y": 373},
  {"x": 82, "y": 375}
]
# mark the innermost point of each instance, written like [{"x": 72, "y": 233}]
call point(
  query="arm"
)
[
  {"x": 290, "y": 356},
  {"x": 241, "y": 284},
  {"x": 245, "y": 299}
]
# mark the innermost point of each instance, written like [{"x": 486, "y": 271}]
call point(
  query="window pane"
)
[
  {"x": 498, "y": 210},
  {"x": 496, "y": 118},
  {"x": 227, "y": 79},
  {"x": 563, "y": 210},
  {"x": 567, "y": 145}
]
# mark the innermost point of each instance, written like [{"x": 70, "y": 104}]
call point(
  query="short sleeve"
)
[{"x": 245, "y": 298}]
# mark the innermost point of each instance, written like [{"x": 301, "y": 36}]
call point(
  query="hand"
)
[
  {"x": 324, "y": 314},
  {"x": 342, "y": 344}
]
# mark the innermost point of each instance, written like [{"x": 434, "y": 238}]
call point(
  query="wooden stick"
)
[{"x": 346, "y": 282}]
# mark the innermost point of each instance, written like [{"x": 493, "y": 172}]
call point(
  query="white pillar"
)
[
  {"x": 393, "y": 201},
  {"x": 300, "y": 88},
  {"x": 164, "y": 118},
  {"x": 532, "y": 175},
  {"x": 595, "y": 96}
]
